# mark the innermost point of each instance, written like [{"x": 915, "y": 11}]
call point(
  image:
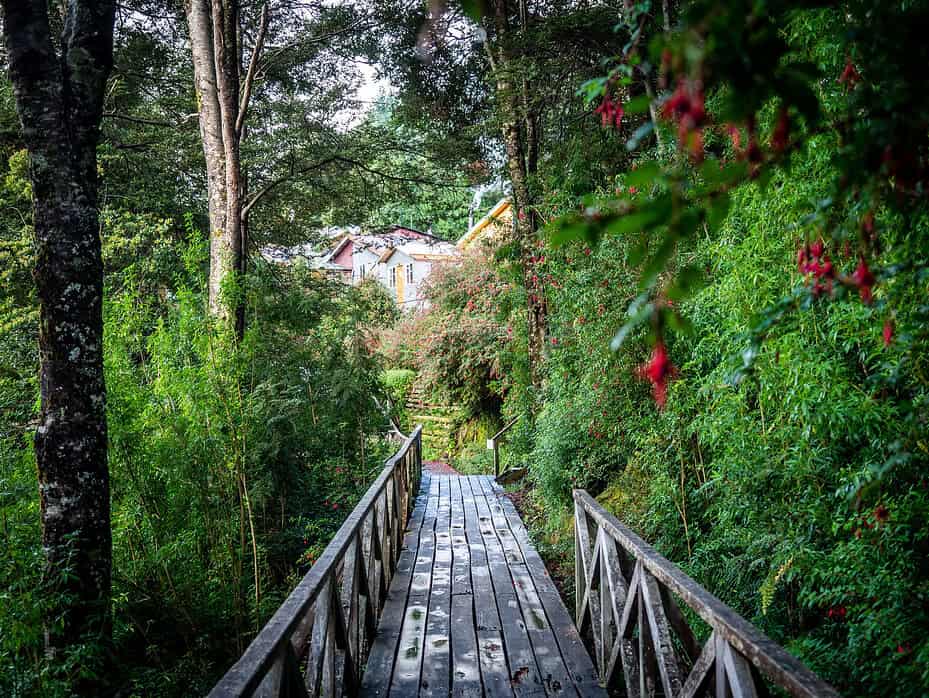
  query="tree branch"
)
[{"x": 252, "y": 69}]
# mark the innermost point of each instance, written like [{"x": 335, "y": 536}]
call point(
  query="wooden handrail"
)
[
  {"x": 330, "y": 617},
  {"x": 626, "y": 600},
  {"x": 493, "y": 443}
]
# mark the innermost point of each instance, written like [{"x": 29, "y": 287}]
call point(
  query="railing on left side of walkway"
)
[
  {"x": 330, "y": 617},
  {"x": 626, "y": 598}
]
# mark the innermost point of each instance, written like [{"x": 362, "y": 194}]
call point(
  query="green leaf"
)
[
  {"x": 637, "y": 105},
  {"x": 643, "y": 175},
  {"x": 640, "y": 133},
  {"x": 717, "y": 211},
  {"x": 658, "y": 261},
  {"x": 475, "y": 9},
  {"x": 686, "y": 282},
  {"x": 640, "y": 310},
  {"x": 562, "y": 232},
  {"x": 592, "y": 89}
]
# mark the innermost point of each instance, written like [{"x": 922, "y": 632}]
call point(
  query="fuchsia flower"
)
[
  {"x": 658, "y": 371},
  {"x": 888, "y": 332},
  {"x": 735, "y": 135},
  {"x": 610, "y": 111},
  {"x": 864, "y": 280},
  {"x": 816, "y": 266},
  {"x": 686, "y": 106},
  {"x": 781, "y": 134},
  {"x": 850, "y": 76}
]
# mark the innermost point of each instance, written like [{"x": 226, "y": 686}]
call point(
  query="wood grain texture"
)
[{"x": 487, "y": 619}]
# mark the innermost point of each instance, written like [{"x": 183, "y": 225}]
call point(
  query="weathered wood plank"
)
[
  {"x": 436, "y": 679},
  {"x": 461, "y": 555},
  {"x": 384, "y": 649},
  {"x": 568, "y": 641},
  {"x": 466, "y": 674},
  {"x": 698, "y": 680},
  {"x": 492, "y": 660}
]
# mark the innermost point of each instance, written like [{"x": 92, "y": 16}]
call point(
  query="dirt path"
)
[{"x": 439, "y": 467}]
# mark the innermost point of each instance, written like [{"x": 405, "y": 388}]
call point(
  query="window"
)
[
  {"x": 409, "y": 273},
  {"x": 393, "y": 277},
  {"x": 361, "y": 275}
]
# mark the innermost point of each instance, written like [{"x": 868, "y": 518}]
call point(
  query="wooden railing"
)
[
  {"x": 626, "y": 601},
  {"x": 317, "y": 642},
  {"x": 493, "y": 443}
]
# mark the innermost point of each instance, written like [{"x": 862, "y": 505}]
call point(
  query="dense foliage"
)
[
  {"x": 736, "y": 318},
  {"x": 217, "y": 453}
]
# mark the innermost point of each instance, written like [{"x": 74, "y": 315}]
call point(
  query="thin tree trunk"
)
[
  {"x": 521, "y": 143},
  {"x": 60, "y": 103}
]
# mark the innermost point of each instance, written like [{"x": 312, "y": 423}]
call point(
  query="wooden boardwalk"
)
[{"x": 471, "y": 609}]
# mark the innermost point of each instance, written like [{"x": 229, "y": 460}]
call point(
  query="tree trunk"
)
[
  {"x": 60, "y": 102},
  {"x": 521, "y": 142},
  {"x": 214, "y": 30}
]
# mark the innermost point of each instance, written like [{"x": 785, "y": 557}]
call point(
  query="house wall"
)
[
  {"x": 412, "y": 292},
  {"x": 344, "y": 258},
  {"x": 363, "y": 258}
]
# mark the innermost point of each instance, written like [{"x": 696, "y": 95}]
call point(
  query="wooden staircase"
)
[{"x": 438, "y": 420}]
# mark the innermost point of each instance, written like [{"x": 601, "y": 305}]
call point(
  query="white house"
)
[{"x": 399, "y": 258}]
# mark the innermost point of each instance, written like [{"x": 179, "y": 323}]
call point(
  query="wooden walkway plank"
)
[
  {"x": 435, "y": 680},
  {"x": 575, "y": 655},
  {"x": 494, "y": 671},
  {"x": 471, "y": 610},
  {"x": 379, "y": 670},
  {"x": 524, "y": 675}
]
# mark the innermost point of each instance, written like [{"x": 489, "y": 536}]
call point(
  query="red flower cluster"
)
[
  {"x": 686, "y": 106},
  {"x": 814, "y": 263},
  {"x": 610, "y": 111},
  {"x": 850, "y": 75},
  {"x": 837, "y": 613},
  {"x": 781, "y": 134},
  {"x": 864, "y": 280},
  {"x": 658, "y": 371},
  {"x": 888, "y": 332}
]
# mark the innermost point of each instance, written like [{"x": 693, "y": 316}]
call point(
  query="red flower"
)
[
  {"x": 658, "y": 371},
  {"x": 610, "y": 111},
  {"x": 781, "y": 134},
  {"x": 888, "y": 332},
  {"x": 864, "y": 280},
  {"x": 687, "y": 108},
  {"x": 850, "y": 75},
  {"x": 881, "y": 514}
]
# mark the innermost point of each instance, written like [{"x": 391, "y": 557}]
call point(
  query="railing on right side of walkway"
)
[
  {"x": 493, "y": 444},
  {"x": 331, "y": 616},
  {"x": 626, "y": 599}
]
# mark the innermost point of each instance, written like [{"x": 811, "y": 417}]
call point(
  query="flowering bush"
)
[{"x": 458, "y": 343}]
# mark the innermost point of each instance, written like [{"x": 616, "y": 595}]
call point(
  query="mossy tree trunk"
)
[{"x": 59, "y": 98}]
